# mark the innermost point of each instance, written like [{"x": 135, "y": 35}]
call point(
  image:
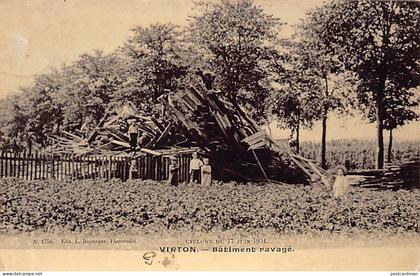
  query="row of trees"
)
[{"x": 344, "y": 56}]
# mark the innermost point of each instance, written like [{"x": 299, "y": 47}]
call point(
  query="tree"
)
[
  {"x": 379, "y": 41},
  {"x": 399, "y": 109},
  {"x": 314, "y": 59},
  {"x": 44, "y": 113},
  {"x": 12, "y": 122},
  {"x": 32, "y": 115},
  {"x": 87, "y": 87},
  {"x": 295, "y": 103},
  {"x": 237, "y": 40},
  {"x": 157, "y": 59}
]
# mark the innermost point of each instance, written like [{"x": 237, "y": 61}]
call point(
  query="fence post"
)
[
  {"x": 59, "y": 167},
  {"x": 66, "y": 165},
  {"x": 52, "y": 166},
  {"x": 180, "y": 169},
  {"x": 76, "y": 166},
  {"x": 18, "y": 161},
  {"x": 21, "y": 165},
  {"x": 102, "y": 165},
  {"x": 123, "y": 168},
  {"x": 166, "y": 167},
  {"x": 1, "y": 163},
  {"x": 30, "y": 165},
  {"x": 6, "y": 167},
  {"x": 156, "y": 163},
  {"x": 14, "y": 163},
  {"x": 35, "y": 166},
  {"x": 71, "y": 164},
  {"x": 109, "y": 167},
  {"x": 93, "y": 158},
  {"x": 140, "y": 166},
  {"x": 43, "y": 165},
  {"x": 9, "y": 164},
  {"x": 132, "y": 162},
  {"x": 82, "y": 166},
  {"x": 25, "y": 165}
]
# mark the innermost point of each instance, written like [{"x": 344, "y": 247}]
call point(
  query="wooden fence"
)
[{"x": 50, "y": 166}]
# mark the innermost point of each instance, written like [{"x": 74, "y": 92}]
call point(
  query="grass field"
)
[{"x": 54, "y": 206}]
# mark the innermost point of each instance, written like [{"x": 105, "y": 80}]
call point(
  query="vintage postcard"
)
[{"x": 235, "y": 135}]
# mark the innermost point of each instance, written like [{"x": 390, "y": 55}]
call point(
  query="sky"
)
[{"x": 36, "y": 35}]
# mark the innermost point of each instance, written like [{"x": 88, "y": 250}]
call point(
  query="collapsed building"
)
[{"x": 196, "y": 119}]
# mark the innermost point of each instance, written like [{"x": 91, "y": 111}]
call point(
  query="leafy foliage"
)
[
  {"x": 399, "y": 106},
  {"x": 88, "y": 86},
  {"x": 238, "y": 42},
  {"x": 157, "y": 59},
  {"x": 317, "y": 62},
  {"x": 12, "y": 122},
  {"x": 294, "y": 103},
  {"x": 148, "y": 206},
  {"x": 379, "y": 41}
]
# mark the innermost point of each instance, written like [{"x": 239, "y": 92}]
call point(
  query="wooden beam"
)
[
  {"x": 149, "y": 151},
  {"x": 164, "y": 133},
  {"x": 261, "y": 167},
  {"x": 124, "y": 144}
]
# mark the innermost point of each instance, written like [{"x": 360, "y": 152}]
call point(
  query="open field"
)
[
  {"x": 59, "y": 206},
  {"x": 358, "y": 154}
]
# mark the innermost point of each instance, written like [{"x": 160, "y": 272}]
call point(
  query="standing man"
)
[
  {"x": 195, "y": 165},
  {"x": 133, "y": 132}
]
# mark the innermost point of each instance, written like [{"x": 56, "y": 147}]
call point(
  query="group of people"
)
[{"x": 200, "y": 171}]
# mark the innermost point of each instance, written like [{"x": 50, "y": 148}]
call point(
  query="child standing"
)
[
  {"x": 341, "y": 184},
  {"x": 195, "y": 165},
  {"x": 206, "y": 173},
  {"x": 173, "y": 171},
  {"x": 133, "y": 132}
]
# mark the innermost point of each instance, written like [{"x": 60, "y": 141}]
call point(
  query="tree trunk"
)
[
  {"x": 269, "y": 128},
  {"x": 30, "y": 145},
  {"x": 324, "y": 127},
  {"x": 390, "y": 147},
  {"x": 58, "y": 126},
  {"x": 379, "y": 129},
  {"x": 297, "y": 138},
  {"x": 324, "y": 141}
]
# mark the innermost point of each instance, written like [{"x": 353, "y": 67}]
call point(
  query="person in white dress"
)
[
  {"x": 341, "y": 184},
  {"x": 206, "y": 173}
]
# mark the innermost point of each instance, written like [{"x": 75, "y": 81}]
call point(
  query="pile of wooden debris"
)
[
  {"x": 392, "y": 177},
  {"x": 197, "y": 118},
  {"x": 109, "y": 137}
]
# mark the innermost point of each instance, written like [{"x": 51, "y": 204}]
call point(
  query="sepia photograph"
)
[{"x": 181, "y": 135}]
